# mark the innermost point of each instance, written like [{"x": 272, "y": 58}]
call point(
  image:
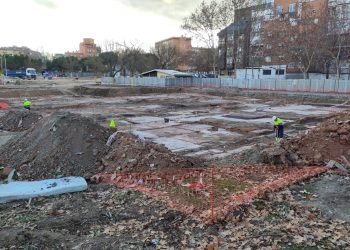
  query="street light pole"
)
[{"x": 5, "y": 66}]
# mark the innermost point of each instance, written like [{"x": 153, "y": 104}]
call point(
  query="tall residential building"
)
[
  {"x": 183, "y": 48},
  {"x": 86, "y": 48},
  {"x": 244, "y": 43}
]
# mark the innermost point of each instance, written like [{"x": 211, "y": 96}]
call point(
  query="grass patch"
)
[{"x": 200, "y": 196}]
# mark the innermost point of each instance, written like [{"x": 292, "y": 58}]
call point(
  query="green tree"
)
[
  {"x": 92, "y": 64},
  {"x": 110, "y": 61}
]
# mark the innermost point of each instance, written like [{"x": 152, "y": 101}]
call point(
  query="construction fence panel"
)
[
  {"x": 226, "y": 83},
  {"x": 281, "y": 85},
  {"x": 304, "y": 86},
  {"x": 151, "y": 82},
  {"x": 343, "y": 86},
  {"x": 293, "y": 85},
  {"x": 107, "y": 80},
  {"x": 268, "y": 84},
  {"x": 239, "y": 83},
  {"x": 329, "y": 86},
  {"x": 210, "y": 82},
  {"x": 317, "y": 85},
  {"x": 253, "y": 83}
]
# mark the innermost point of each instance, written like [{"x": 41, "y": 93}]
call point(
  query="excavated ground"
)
[{"x": 206, "y": 127}]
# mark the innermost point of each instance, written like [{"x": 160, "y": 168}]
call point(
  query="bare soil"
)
[
  {"x": 328, "y": 141},
  {"x": 131, "y": 154},
  {"x": 19, "y": 120},
  {"x": 62, "y": 144}
]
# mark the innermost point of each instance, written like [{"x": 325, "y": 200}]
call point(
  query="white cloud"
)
[
  {"x": 60, "y": 25},
  {"x": 47, "y": 3}
]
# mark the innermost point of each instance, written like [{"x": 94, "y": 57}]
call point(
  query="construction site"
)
[{"x": 185, "y": 168}]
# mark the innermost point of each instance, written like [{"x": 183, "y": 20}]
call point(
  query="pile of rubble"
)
[
  {"x": 62, "y": 144},
  {"x": 66, "y": 144},
  {"x": 131, "y": 154},
  {"x": 328, "y": 141},
  {"x": 19, "y": 120}
]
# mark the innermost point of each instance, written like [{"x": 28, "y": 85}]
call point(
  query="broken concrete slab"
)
[
  {"x": 334, "y": 164},
  {"x": 176, "y": 145}
]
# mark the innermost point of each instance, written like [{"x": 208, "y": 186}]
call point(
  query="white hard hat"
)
[{"x": 274, "y": 118}]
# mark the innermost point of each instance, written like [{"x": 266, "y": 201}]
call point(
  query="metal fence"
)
[{"x": 295, "y": 85}]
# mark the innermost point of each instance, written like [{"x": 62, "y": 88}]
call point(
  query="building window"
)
[
  {"x": 268, "y": 59},
  {"x": 279, "y": 9},
  {"x": 280, "y": 72},
  {"x": 267, "y": 72},
  {"x": 291, "y": 8}
]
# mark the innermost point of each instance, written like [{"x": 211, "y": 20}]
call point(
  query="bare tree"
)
[
  {"x": 336, "y": 33},
  {"x": 167, "y": 56},
  {"x": 201, "y": 60},
  {"x": 206, "y": 21}
]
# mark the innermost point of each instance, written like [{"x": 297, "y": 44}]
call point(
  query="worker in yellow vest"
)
[
  {"x": 112, "y": 125},
  {"x": 278, "y": 127},
  {"x": 26, "y": 104}
]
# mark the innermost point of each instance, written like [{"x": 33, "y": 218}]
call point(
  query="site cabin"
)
[
  {"x": 166, "y": 73},
  {"x": 264, "y": 72},
  {"x": 28, "y": 73}
]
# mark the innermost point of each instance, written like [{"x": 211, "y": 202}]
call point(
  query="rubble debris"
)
[
  {"x": 20, "y": 190},
  {"x": 50, "y": 149},
  {"x": 328, "y": 141},
  {"x": 334, "y": 164},
  {"x": 7, "y": 174},
  {"x": 19, "y": 120},
  {"x": 111, "y": 139},
  {"x": 131, "y": 154}
]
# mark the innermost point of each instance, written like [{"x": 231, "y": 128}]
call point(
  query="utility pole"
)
[{"x": 5, "y": 66}]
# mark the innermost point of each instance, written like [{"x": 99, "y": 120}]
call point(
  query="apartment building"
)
[
  {"x": 240, "y": 44},
  {"x": 183, "y": 48},
  {"x": 246, "y": 43},
  {"x": 14, "y": 50},
  {"x": 86, "y": 48}
]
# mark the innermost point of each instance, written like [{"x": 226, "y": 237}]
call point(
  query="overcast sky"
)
[{"x": 57, "y": 26}]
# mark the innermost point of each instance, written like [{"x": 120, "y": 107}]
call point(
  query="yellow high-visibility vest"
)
[
  {"x": 27, "y": 103},
  {"x": 278, "y": 121},
  {"x": 112, "y": 124}
]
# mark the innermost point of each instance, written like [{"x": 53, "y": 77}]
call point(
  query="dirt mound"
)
[
  {"x": 62, "y": 144},
  {"x": 328, "y": 141},
  {"x": 19, "y": 120},
  {"x": 131, "y": 154}
]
